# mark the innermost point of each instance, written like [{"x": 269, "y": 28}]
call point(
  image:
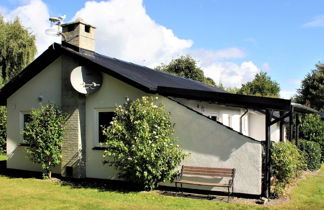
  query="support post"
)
[
  {"x": 281, "y": 129},
  {"x": 291, "y": 124},
  {"x": 297, "y": 129},
  {"x": 267, "y": 169}
]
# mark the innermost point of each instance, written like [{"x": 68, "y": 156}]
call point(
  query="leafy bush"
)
[
  {"x": 312, "y": 153},
  {"x": 3, "y": 127},
  {"x": 141, "y": 144},
  {"x": 277, "y": 189},
  {"x": 312, "y": 128},
  {"x": 44, "y": 134},
  {"x": 286, "y": 162}
]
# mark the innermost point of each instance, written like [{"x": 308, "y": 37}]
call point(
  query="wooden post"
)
[
  {"x": 267, "y": 170},
  {"x": 291, "y": 124},
  {"x": 281, "y": 129},
  {"x": 297, "y": 129}
]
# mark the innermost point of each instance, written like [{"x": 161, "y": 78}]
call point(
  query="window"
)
[
  {"x": 26, "y": 119},
  {"x": 104, "y": 119},
  {"x": 213, "y": 117}
]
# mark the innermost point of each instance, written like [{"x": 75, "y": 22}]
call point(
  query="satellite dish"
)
[{"x": 85, "y": 81}]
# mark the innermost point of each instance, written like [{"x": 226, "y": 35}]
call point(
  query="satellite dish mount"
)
[
  {"x": 58, "y": 22},
  {"x": 85, "y": 81}
]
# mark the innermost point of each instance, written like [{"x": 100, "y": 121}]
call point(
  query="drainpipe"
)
[{"x": 241, "y": 126}]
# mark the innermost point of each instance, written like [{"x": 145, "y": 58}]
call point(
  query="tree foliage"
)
[
  {"x": 141, "y": 143},
  {"x": 262, "y": 85},
  {"x": 185, "y": 66},
  {"x": 44, "y": 135},
  {"x": 311, "y": 92},
  {"x": 312, "y": 153},
  {"x": 312, "y": 129},
  {"x": 17, "y": 48},
  {"x": 3, "y": 127}
]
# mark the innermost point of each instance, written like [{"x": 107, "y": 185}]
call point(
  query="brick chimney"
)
[{"x": 80, "y": 34}]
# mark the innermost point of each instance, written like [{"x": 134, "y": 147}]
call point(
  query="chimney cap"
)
[{"x": 76, "y": 21}]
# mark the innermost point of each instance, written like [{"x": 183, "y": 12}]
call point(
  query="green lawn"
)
[
  {"x": 31, "y": 193},
  {"x": 3, "y": 157}
]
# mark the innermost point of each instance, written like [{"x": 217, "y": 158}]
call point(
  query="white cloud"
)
[
  {"x": 34, "y": 16},
  {"x": 231, "y": 74},
  {"x": 317, "y": 21},
  {"x": 207, "y": 57},
  {"x": 287, "y": 94},
  {"x": 125, "y": 31}
]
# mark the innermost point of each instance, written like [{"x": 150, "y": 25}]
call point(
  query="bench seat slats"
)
[
  {"x": 204, "y": 173},
  {"x": 203, "y": 183},
  {"x": 208, "y": 173}
]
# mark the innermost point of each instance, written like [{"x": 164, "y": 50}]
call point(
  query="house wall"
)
[
  {"x": 211, "y": 144},
  {"x": 229, "y": 116},
  {"x": 46, "y": 84},
  {"x": 112, "y": 92},
  {"x": 208, "y": 142},
  {"x": 257, "y": 127}
]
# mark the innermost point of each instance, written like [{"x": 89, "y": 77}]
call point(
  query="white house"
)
[{"x": 217, "y": 128}]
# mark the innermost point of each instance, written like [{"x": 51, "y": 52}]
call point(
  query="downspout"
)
[{"x": 241, "y": 126}]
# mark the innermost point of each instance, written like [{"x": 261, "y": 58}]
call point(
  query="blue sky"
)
[{"x": 231, "y": 39}]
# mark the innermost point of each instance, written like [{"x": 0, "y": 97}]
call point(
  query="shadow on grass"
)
[{"x": 100, "y": 184}]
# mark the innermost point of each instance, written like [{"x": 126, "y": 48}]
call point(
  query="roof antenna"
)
[{"x": 58, "y": 22}]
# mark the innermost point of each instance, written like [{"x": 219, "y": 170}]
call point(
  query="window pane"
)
[
  {"x": 104, "y": 121},
  {"x": 27, "y": 118}
]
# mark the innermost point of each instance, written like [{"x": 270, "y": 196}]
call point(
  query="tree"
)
[
  {"x": 311, "y": 92},
  {"x": 44, "y": 135},
  {"x": 17, "y": 48},
  {"x": 312, "y": 129},
  {"x": 141, "y": 143},
  {"x": 262, "y": 85},
  {"x": 185, "y": 66}
]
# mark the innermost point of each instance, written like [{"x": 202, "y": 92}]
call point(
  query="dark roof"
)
[{"x": 144, "y": 78}]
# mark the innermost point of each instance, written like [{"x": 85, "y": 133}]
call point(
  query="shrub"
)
[
  {"x": 141, "y": 144},
  {"x": 277, "y": 189},
  {"x": 3, "y": 127},
  {"x": 286, "y": 162},
  {"x": 312, "y": 153},
  {"x": 44, "y": 134},
  {"x": 312, "y": 129}
]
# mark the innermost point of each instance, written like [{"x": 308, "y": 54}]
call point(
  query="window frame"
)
[
  {"x": 97, "y": 142},
  {"x": 22, "y": 124}
]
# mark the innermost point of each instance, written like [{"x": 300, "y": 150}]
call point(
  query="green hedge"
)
[
  {"x": 286, "y": 163},
  {"x": 312, "y": 153}
]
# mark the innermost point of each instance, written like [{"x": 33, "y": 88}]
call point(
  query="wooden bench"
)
[{"x": 207, "y": 173}]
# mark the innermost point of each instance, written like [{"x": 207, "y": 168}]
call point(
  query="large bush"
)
[
  {"x": 312, "y": 129},
  {"x": 286, "y": 162},
  {"x": 3, "y": 127},
  {"x": 44, "y": 135},
  {"x": 141, "y": 143},
  {"x": 312, "y": 153}
]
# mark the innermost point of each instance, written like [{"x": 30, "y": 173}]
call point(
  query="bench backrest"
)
[{"x": 207, "y": 171}]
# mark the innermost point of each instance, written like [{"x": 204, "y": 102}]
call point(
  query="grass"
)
[
  {"x": 3, "y": 157},
  {"x": 31, "y": 193}
]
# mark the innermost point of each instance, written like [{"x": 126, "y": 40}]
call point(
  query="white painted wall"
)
[
  {"x": 211, "y": 144},
  {"x": 113, "y": 92},
  {"x": 46, "y": 84},
  {"x": 229, "y": 116},
  {"x": 257, "y": 127},
  {"x": 208, "y": 142}
]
